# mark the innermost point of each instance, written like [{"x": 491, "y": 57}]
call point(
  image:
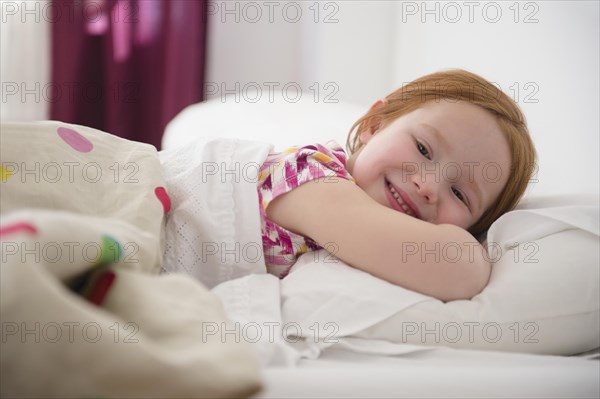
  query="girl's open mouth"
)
[{"x": 397, "y": 202}]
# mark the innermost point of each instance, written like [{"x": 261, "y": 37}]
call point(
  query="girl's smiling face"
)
[{"x": 445, "y": 162}]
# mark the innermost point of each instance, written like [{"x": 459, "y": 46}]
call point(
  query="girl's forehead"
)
[
  {"x": 448, "y": 108},
  {"x": 457, "y": 121}
]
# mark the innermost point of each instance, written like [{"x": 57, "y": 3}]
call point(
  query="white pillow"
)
[
  {"x": 543, "y": 296},
  {"x": 281, "y": 123}
]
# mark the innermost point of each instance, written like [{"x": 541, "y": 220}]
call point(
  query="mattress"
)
[{"x": 442, "y": 372}]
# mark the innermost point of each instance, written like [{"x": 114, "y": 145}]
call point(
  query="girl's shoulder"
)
[
  {"x": 296, "y": 165},
  {"x": 326, "y": 153}
]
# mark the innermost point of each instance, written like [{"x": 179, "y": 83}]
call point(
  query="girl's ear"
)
[{"x": 372, "y": 124}]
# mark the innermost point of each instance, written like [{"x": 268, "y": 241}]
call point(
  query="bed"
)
[
  {"x": 105, "y": 326},
  {"x": 549, "y": 345}
]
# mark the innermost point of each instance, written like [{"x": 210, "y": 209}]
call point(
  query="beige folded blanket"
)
[{"x": 74, "y": 201}]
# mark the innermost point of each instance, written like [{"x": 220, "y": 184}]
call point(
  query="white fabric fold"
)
[
  {"x": 377, "y": 346},
  {"x": 360, "y": 300},
  {"x": 253, "y": 304}
]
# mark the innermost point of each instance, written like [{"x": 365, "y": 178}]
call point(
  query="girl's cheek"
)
[{"x": 453, "y": 215}]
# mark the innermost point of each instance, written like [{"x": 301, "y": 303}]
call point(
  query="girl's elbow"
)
[
  {"x": 466, "y": 284},
  {"x": 474, "y": 279},
  {"x": 473, "y": 274},
  {"x": 481, "y": 277}
]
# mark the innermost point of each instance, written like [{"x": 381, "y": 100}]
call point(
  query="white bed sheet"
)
[{"x": 442, "y": 372}]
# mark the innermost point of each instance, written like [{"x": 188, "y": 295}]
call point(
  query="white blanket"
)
[{"x": 213, "y": 231}]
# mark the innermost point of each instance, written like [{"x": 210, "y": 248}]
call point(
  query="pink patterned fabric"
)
[{"x": 282, "y": 172}]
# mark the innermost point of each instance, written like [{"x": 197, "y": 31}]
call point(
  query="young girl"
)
[{"x": 432, "y": 165}]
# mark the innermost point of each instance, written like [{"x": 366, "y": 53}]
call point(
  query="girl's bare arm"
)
[{"x": 442, "y": 261}]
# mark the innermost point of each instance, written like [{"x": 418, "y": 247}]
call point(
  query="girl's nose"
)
[{"x": 427, "y": 189}]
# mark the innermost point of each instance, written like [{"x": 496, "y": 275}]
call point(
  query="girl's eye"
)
[
  {"x": 459, "y": 195},
  {"x": 423, "y": 150}
]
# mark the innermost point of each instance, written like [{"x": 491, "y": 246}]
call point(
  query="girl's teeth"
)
[{"x": 399, "y": 199}]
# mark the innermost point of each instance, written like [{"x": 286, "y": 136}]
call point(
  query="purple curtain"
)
[{"x": 126, "y": 67}]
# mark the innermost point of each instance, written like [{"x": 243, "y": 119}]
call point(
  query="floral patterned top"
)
[{"x": 282, "y": 172}]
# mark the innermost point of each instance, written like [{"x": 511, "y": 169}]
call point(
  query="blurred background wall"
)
[{"x": 544, "y": 54}]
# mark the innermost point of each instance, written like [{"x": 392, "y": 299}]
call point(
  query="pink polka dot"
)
[
  {"x": 17, "y": 228},
  {"x": 75, "y": 140},
  {"x": 163, "y": 197}
]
